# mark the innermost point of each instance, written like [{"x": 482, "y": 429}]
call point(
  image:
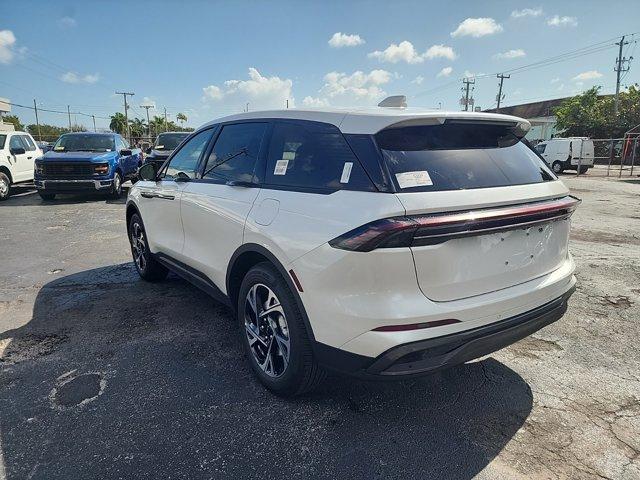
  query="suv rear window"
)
[
  {"x": 314, "y": 156},
  {"x": 457, "y": 156}
]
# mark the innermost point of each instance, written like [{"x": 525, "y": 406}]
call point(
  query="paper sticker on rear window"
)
[
  {"x": 281, "y": 167},
  {"x": 346, "y": 172},
  {"x": 414, "y": 179}
]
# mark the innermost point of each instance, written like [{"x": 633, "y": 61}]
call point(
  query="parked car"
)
[
  {"x": 567, "y": 153},
  {"x": 86, "y": 162},
  {"x": 165, "y": 144},
  {"x": 18, "y": 152},
  {"x": 383, "y": 244},
  {"x": 45, "y": 146}
]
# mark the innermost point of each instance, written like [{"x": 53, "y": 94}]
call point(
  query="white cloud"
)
[
  {"x": 589, "y": 75},
  {"x": 526, "y": 12},
  {"x": 554, "y": 80},
  {"x": 7, "y": 43},
  {"x": 445, "y": 72},
  {"x": 262, "y": 92},
  {"x": 73, "y": 77},
  {"x": 440, "y": 51},
  {"x": 315, "y": 102},
  {"x": 510, "y": 54},
  {"x": 403, "y": 52},
  {"x": 67, "y": 22},
  {"x": 358, "y": 85},
  {"x": 340, "y": 39},
  {"x": 477, "y": 27},
  {"x": 148, "y": 101},
  {"x": 558, "y": 21},
  {"x": 418, "y": 80},
  {"x": 406, "y": 52}
]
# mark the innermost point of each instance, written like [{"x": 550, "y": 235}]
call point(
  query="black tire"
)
[
  {"x": 116, "y": 187},
  {"x": 583, "y": 170},
  {"x": 5, "y": 186},
  {"x": 557, "y": 168},
  {"x": 302, "y": 373},
  {"x": 149, "y": 269},
  {"x": 47, "y": 196}
]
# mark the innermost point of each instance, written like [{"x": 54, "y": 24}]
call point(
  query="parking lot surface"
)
[{"x": 105, "y": 376}]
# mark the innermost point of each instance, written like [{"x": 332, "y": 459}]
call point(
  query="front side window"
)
[
  {"x": 29, "y": 146},
  {"x": 316, "y": 158},
  {"x": 15, "y": 142},
  {"x": 185, "y": 161},
  {"x": 234, "y": 156},
  {"x": 85, "y": 143},
  {"x": 540, "y": 148},
  {"x": 458, "y": 156}
]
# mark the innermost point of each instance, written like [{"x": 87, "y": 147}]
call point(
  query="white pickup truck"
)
[{"x": 18, "y": 152}]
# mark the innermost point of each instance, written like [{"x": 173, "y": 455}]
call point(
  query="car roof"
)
[
  {"x": 110, "y": 134},
  {"x": 371, "y": 120},
  {"x": 183, "y": 133}
]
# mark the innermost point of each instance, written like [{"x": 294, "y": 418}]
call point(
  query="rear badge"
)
[{"x": 414, "y": 179}]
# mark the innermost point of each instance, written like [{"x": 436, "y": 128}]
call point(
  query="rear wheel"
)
[
  {"x": 148, "y": 267},
  {"x": 583, "y": 170},
  {"x": 47, "y": 196},
  {"x": 557, "y": 167},
  {"x": 5, "y": 186},
  {"x": 274, "y": 335}
]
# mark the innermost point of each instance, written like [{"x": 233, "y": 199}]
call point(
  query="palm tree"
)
[
  {"x": 158, "y": 125},
  {"x": 137, "y": 127},
  {"x": 118, "y": 123},
  {"x": 181, "y": 117}
]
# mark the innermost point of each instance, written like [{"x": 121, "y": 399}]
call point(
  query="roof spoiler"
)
[{"x": 394, "y": 101}]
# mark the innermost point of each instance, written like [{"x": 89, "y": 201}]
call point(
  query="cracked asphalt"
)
[{"x": 105, "y": 376}]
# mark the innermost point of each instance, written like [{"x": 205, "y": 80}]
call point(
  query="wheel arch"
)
[
  {"x": 245, "y": 258},
  {"x": 131, "y": 210}
]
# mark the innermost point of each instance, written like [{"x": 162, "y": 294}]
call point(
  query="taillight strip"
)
[{"x": 418, "y": 230}]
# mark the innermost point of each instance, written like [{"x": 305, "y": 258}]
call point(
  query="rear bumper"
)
[
  {"x": 71, "y": 186},
  {"x": 427, "y": 356}
]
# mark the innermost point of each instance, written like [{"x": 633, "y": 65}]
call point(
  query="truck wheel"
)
[
  {"x": 557, "y": 167},
  {"x": 116, "y": 187},
  {"x": 47, "y": 196},
  {"x": 5, "y": 186},
  {"x": 583, "y": 170}
]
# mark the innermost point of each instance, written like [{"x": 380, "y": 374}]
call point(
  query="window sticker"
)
[
  {"x": 281, "y": 167},
  {"x": 414, "y": 179},
  {"x": 346, "y": 172}
]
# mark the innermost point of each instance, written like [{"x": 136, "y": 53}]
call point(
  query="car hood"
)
[
  {"x": 160, "y": 153},
  {"x": 78, "y": 156}
]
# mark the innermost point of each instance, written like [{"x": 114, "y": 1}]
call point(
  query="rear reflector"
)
[
  {"x": 432, "y": 229},
  {"x": 416, "y": 326}
]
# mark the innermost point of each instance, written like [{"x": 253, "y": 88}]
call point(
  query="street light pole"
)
[{"x": 35, "y": 108}]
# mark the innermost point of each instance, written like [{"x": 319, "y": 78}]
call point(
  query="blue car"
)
[{"x": 86, "y": 162}]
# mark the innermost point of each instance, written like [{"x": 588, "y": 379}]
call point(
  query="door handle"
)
[
  {"x": 157, "y": 195},
  {"x": 29, "y": 158}
]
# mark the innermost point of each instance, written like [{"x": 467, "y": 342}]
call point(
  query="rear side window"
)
[
  {"x": 234, "y": 155},
  {"x": 458, "y": 156},
  {"x": 308, "y": 157}
]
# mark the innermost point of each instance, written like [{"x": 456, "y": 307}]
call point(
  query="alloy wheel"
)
[
  {"x": 138, "y": 246},
  {"x": 4, "y": 187},
  {"x": 267, "y": 330},
  {"x": 117, "y": 184}
]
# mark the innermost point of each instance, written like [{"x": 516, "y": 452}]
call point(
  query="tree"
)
[
  {"x": 137, "y": 127},
  {"x": 592, "y": 115},
  {"x": 118, "y": 123},
  {"x": 13, "y": 119},
  {"x": 181, "y": 117}
]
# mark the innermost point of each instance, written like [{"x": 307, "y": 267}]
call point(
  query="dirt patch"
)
[
  {"x": 594, "y": 236},
  {"x": 621, "y": 301},
  {"x": 28, "y": 347},
  {"x": 530, "y": 347}
]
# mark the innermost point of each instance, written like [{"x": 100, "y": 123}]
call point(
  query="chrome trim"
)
[{"x": 97, "y": 184}]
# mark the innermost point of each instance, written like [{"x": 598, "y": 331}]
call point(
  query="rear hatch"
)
[{"x": 490, "y": 213}]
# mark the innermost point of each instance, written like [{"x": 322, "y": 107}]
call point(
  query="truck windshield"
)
[
  {"x": 84, "y": 143},
  {"x": 169, "y": 141},
  {"x": 458, "y": 156}
]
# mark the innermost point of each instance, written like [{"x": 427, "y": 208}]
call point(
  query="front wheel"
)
[
  {"x": 583, "y": 170},
  {"x": 5, "y": 186},
  {"x": 146, "y": 265},
  {"x": 557, "y": 168},
  {"x": 116, "y": 186},
  {"x": 274, "y": 335}
]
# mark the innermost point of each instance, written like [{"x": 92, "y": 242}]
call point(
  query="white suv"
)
[
  {"x": 18, "y": 153},
  {"x": 383, "y": 243}
]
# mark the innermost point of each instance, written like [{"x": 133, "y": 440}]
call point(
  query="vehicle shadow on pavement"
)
[
  {"x": 118, "y": 378},
  {"x": 24, "y": 196}
]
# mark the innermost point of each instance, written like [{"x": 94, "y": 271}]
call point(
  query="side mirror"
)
[
  {"x": 149, "y": 172},
  {"x": 182, "y": 177},
  {"x": 18, "y": 151},
  {"x": 148, "y": 150},
  {"x": 125, "y": 152}
]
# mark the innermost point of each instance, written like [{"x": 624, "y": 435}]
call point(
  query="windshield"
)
[
  {"x": 169, "y": 141},
  {"x": 458, "y": 156},
  {"x": 84, "y": 143}
]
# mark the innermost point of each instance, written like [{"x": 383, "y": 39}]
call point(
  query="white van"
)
[{"x": 567, "y": 153}]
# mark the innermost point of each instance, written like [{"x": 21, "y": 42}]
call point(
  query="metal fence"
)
[{"x": 618, "y": 155}]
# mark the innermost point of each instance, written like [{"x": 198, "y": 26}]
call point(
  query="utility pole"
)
[
  {"x": 287, "y": 103},
  {"x": 35, "y": 108},
  {"x": 620, "y": 62},
  {"x": 247, "y": 110},
  {"x": 147, "y": 106},
  {"x": 499, "y": 97},
  {"x": 166, "y": 124},
  {"x": 467, "y": 83},
  {"x": 126, "y": 107},
  {"x": 94, "y": 123},
  {"x": 69, "y": 113}
]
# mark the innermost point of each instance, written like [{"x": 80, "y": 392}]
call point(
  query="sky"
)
[{"x": 210, "y": 59}]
